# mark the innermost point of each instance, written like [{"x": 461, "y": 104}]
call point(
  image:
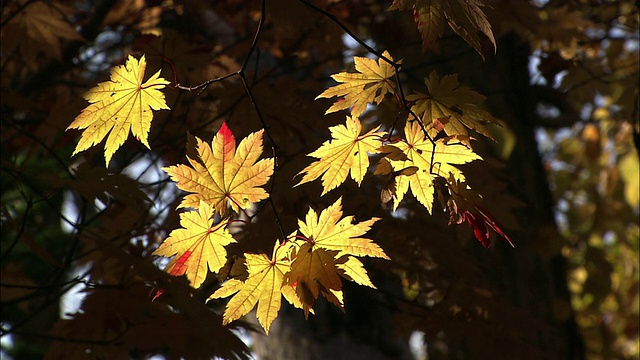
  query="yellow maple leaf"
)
[
  {"x": 222, "y": 175},
  {"x": 345, "y": 154},
  {"x": 369, "y": 85},
  {"x": 353, "y": 269},
  {"x": 332, "y": 243},
  {"x": 262, "y": 286},
  {"x": 120, "y": 105},
  {"x": 457, "y": 106},
  {"x": 198, "y": 245},
  {"x": 429, "y": 161},
  {"x": 313, "y": 272}
]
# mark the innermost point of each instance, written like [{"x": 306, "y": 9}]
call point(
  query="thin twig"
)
[
  {"x": 242, "y": 74},
  {"x": 12, "y": 15},
  {"x": 202, "y": 87},
  {"x": 349, "y": 32},
  {"x": 274, "y": 151},
  {"x": 396, "y": 66}
]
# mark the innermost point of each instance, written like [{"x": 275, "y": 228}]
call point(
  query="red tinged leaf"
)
[
  {"x": 181, "y": 264},
  {"x": 479, "y": 229},
  {"x": 464, "y": 206},
  {"x": 479, "y": 221},
  {"x": 222, "y": 174},
  {"x": 228, "y": 142},
  {"x": 493, "y": 224},
  {"x": 198, "y": 247},
  {"x": 179, "y": 269},
  {"x": 157, "y": 294}
]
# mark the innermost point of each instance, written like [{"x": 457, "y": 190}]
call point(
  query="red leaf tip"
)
[{"x": 226, "y": 133}]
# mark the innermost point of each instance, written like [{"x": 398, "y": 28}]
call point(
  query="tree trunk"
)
[{"x": 536, "y": 274}]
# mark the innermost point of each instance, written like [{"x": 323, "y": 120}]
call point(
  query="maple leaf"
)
[
  {"x": 465, "y": 17},
  {"x": 369, "y": 85},
  {"x": 262, "y": 286},
  {"x": 314, "y": 272},
  {"x": 430, "y": 162},
  {"x": 36, "y": 31},
  {"x": 120, "y": 105},
  {"x": 385, "y": 168},
  {"x": 353, "y": 269},
  {"x": 464, "y": 206},
  {"x": 198, "y": 245},
  {"x": 345, "y": 154},
  {"x": 429, "y": 16},
  {"x": 458, "y": 105},
  {"x": 332, "y": 242},
  {"x": 222, "y": 175}
]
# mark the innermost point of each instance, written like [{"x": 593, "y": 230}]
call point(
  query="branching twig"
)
[
  {"x": 202, "y": 87},
  {"x": 242, "y": 74},
  {"x": 349, "y": 32},
  {"x": 396, "y": 66},
  {"x": 274, "y": 147},
  {"x": 12, "y": 15}
]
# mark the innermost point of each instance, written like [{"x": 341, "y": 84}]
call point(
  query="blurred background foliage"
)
[{"x": 565, "y": 73}]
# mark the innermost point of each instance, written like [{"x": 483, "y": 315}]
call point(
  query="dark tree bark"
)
[
  {"x": 537, "y": 274},
  {"x": 364, "y": 331}
]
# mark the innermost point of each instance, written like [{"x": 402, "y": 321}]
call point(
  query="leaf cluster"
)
[{"x": 304, "y": 199}]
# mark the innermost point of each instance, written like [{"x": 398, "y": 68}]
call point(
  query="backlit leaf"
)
[
  {"x": 223, "y": 175},
  {"x": 314, "y": 272},
  {"x": 354, "y": 270},
  {"x": 346, "y": 153},
  {"x": 120, "y": 106},
  {"x": 332, "y": 240},
  {"x": 458, "y": 105},
  {"x": 198, "y": 245},
  {"x": 369, "y": 85},
  {"x": 262, "y": 287},
  {"x": 430, "y": 162},
  {"x": 464, "y": 205}
]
